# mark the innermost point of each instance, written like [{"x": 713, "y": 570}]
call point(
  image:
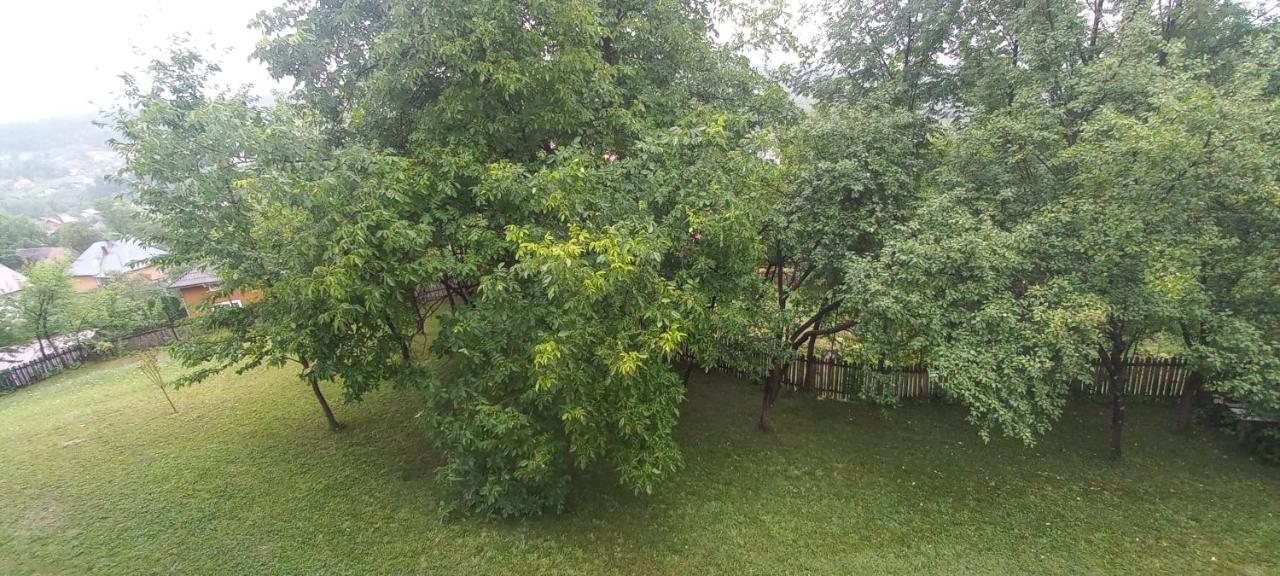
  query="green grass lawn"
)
[{"x": 96, "y": 477}]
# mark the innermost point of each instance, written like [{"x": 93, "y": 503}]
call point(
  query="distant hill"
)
[{"x": 54, "y": 166}]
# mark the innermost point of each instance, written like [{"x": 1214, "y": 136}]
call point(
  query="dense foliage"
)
[
  {"x": 1007, "y": 192},
  {"x": 854, "y": 173},
  {"x": 582, "y": 178},
  {"x": 1099, "y": 161}
]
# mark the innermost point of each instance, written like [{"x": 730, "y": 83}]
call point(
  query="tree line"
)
[
  {"x": 118, "y": 219},
  {"x": 1006, "y": 191}
]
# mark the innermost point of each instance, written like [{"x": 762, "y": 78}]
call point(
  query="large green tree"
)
[
  {"x": 583, "y": 177},
  {"x": 565, "y": 359},
  {"x": 1180, "y": 236},
  {"x": 255, "y": 194},
  {"x": 1090, "y": 188},
  {"x": 853, "y": 174}
]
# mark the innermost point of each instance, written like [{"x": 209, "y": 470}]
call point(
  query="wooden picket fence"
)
[
  {"x": 150, "y": 337},
  {"x": 1148, "y": 376},
  {"x": 21, "y": 375},
  {"x": 840, "y": 380},
  {"x": 837, "y": 379},
  {"x": 437, "y": 291},
  {"x": 25, "y": 374},
  {"x": 434, "y": 291}
]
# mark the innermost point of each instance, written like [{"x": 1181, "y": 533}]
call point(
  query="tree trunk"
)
[
  {"x": 44, "y": 329},
  {"x": 419, "y": 319},
  {"x": 43, "y": 354},
  {"x": 1093, "y": 28},
  {"x": 1117, "y": 418},
  {"x": 809, "y": 360},
  {"x": 1195, "y": 380},
  {"x": 334, "y": 426},
  {"x": 772, "y": 388},
  {"x": 405, "y": 354},
  {"x": 688, "y": 371},
  {"x": 1117, "y": 377},
  {"x": 1187, "y": 404},
  {"x": 166, "y": 397},
  {"x": 773, "y": 384}
]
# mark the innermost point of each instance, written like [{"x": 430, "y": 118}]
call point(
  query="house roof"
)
[
  {"x": 41, "y": 254},
  {"x": 196, "y": 277},
  {"x": 11, "y": 280},
  {"x": 107, "y": 257}
]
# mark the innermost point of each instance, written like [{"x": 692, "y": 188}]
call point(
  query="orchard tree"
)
[
  {"x": 1230, "y": 314},
  {"x": 1158, "y": 186},
  {"x": 45, "y": 303},
  {"x": 1181, "y": 235},
  {"x": 202, "y": 162},
  {"x": 968, "y": 296},
  {"x": 474, "y": 144},
  {"x": 853, "y": 174},
  {"x": 564, "y": 359},
  {"x": 960, "y": 284},
  {"x": 515, "y": 121},
  {"x": 1073, "y": 197}
]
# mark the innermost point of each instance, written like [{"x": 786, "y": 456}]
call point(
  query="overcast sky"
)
[{"x": 63, "y": 57}]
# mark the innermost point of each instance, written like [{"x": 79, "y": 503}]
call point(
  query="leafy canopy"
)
[{"x": 582, "y": 177}]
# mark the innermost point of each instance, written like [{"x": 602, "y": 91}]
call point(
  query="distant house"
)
[
  {"x": 53, "y": 223},
  {"x": 10, "y": 280},
  {"x": 197, "y": 286},
  {"x": 105, "y": 259},
  {"x": 33, "y": 255}
]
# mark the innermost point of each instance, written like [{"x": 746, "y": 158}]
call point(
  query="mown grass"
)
[{"x": 96, "y": 477}]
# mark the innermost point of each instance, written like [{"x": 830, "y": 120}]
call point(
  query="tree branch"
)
[
  {"x": 795, "y": 344},
  {"x": 817, "y": 317}
]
